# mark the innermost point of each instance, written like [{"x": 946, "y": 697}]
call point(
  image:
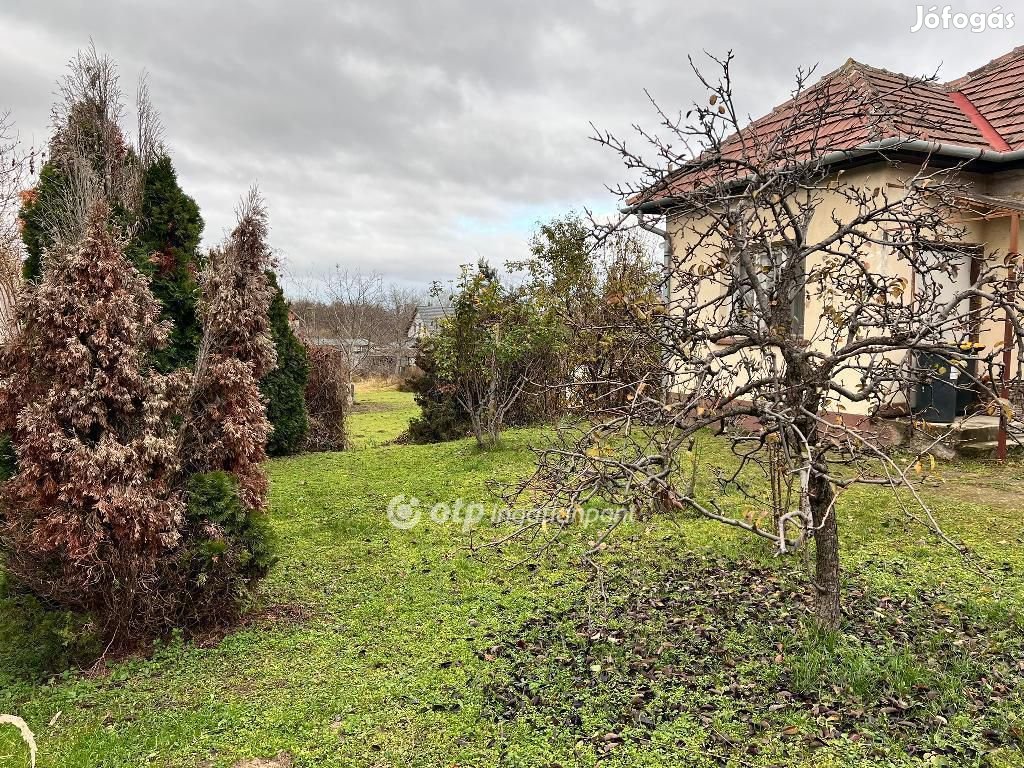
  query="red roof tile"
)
[
  {"x": 997, "y": 92},
  {"x": 857, "y": 104}
]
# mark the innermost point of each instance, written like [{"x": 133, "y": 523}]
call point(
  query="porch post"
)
[{"x": 1012, "y": 257}]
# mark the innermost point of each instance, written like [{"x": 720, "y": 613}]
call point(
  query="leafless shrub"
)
[
  {"x": 327, "y": 398},
  {"x": 90, "y": 150}
]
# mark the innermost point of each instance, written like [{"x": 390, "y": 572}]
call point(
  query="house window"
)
[{"x": 768, "y": 264}]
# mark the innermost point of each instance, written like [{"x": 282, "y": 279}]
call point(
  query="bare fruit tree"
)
[
  {"x": 818, "y": 269},
  {"x": 362, "y": 318},
  {"x": 352, "y": 314},
  {"x": 400, "y": 303}
]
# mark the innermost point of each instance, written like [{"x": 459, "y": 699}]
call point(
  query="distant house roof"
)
[
  {"x": 982, "y": 112},
  {"x": 431, "y": 313},
  {"x": 427, "y": 316}
]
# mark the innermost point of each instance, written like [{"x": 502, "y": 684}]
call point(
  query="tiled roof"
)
[
  {"x": 997, "y": 92},
  {"x": 857, "y": 104}
]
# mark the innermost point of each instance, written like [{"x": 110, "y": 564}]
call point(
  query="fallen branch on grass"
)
[{"x": 26, "y": 735}]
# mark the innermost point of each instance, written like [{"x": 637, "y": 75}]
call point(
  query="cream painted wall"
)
[{"x": 992, "y": 234}]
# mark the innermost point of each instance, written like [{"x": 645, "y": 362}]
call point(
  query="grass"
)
[
  {"x": 379, "y": 415},
  {"x": 374, "y": 646}
]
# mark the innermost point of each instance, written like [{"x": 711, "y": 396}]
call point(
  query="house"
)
[
  {"x": 425, "y": 321},
  {"x": 974, "y": 123}
]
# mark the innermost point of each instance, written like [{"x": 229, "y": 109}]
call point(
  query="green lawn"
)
[
  {"x": 379, "y": 416},
  {"x": 375, "y": 646}
]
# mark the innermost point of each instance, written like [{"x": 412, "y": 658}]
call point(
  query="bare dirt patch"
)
[{"x": 371, "y": 407}]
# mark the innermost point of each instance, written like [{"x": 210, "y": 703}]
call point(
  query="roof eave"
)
[{"x": 659, "y": 206}]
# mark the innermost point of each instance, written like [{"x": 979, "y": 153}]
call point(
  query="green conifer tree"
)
[
  {"x": 284, "y": 387},
  {"x": 166, "y": 249},
  {"x": 35, "y": 232}
]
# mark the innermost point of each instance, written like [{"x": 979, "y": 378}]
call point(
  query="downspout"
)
[
  {"x": 1012, "y": 256},
  {"x": 667, "y": 244}
]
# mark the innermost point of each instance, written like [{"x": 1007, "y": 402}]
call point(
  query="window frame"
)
[{"x": 742, "y": 300}]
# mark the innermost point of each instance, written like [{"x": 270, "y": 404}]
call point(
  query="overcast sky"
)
[{"x": 407, "y": 138}]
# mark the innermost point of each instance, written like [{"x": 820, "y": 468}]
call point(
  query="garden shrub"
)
[
  {"x": 326, "y": 398},
  {"x": 227, "y": 425},
  {"x": 90, "y": 513},
  {"x": 408, "y": 382},
  {"x": 442, "y": 417},
  {"x": 42, "y": 639},
  {"x": 229, "y": 547},
  {"x": 113, "y": 432}
]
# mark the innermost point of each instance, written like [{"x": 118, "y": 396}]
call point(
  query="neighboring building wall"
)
[
  {"x": 993, "y": 234},
  {"x": 425, "y": 320}
]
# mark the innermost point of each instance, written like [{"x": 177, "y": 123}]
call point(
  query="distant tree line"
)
[{"x": 364, "y": 318}]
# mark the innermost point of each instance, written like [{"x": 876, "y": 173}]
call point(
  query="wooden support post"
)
[{"x": 1012, "y": 257}]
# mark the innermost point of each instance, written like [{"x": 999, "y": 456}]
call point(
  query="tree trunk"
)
[
  {"x": 826, "y": 552},
  {"x": 399, "y": 355},
  {"x": 494, "y": 430},
  {"x": 821, "y": 500},
  {"x": 478, "y": 429}
]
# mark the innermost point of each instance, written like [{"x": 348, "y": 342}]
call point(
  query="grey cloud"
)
[{"x": 377, "y": 130}]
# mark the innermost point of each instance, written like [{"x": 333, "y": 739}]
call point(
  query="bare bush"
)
[{"x": 327, "y": 398}]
